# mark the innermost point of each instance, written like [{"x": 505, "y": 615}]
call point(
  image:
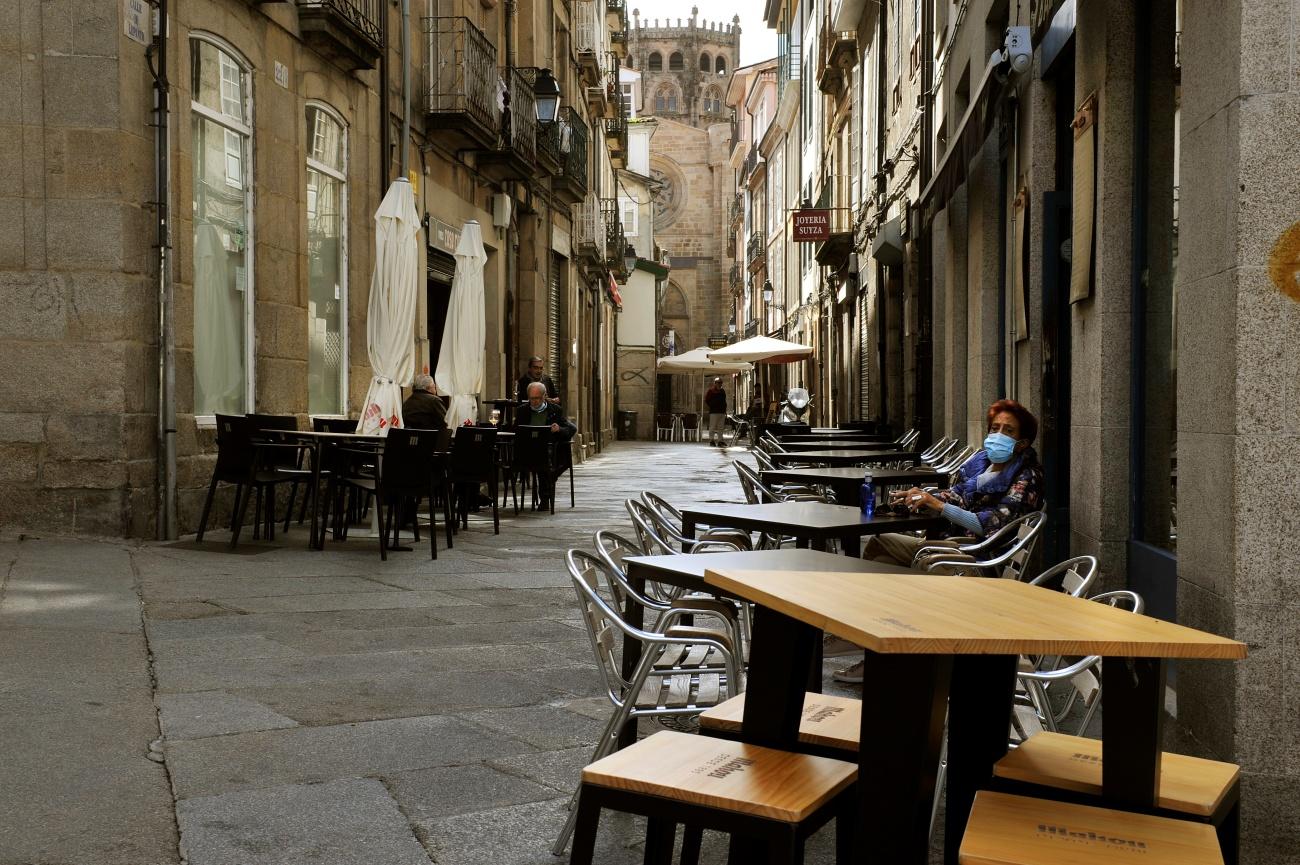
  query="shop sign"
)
[
  {"x": 136, "y": 21},
  {"x": 812, "y": 225},
  {"x": 444, "y": 236}
]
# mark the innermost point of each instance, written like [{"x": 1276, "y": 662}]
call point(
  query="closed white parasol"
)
[
  {"x": 460, "y": 361},
  {"x": 697, "y": 360},
  {"x": 390, "y": 323}
]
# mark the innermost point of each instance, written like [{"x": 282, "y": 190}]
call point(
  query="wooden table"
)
[
  {"x": 812, "y": 524},
  {"x": 844, "y": 457},
  {"x": 938, "y": 642},
  {"x": 687, "y": 572},
  {"x": 846, "y": 482}
]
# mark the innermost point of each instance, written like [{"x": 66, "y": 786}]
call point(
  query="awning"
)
[
  {"x": 614, "y": 294},
  {"x": 976, "y": 124},
  {"x": 659, "y": 271}
]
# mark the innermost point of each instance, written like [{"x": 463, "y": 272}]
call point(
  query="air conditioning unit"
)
[{"x": 501, "y": 208}]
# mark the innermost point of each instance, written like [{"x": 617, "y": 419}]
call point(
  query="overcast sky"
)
[{"x": 757, "y": 42}]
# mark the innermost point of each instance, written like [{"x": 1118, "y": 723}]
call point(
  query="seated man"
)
[
  {"x": 537, "y": 411},
  {"x": 535, "y": 374},
  {"x": 423, "y": 409}
]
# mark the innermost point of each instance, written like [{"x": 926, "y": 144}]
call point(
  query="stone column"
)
[{"x": 1239, "y": 403}]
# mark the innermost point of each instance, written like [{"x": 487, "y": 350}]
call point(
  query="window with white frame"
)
[
  {"x": 628, "y": 212},
  {"x": 327, "y": 295},
  {"x": 221, "y": 117}
]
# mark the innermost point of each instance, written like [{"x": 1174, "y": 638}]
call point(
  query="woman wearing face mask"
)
[{"x": 996, "y": 485}]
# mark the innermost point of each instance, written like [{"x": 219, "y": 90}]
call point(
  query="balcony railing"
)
[
  {"x": 737, "y": 279},
  {"x": 569, "y": 136},
  {"x": 615, "y": 239},
  {"x": 591, "y": 230},
  {"x": 345, "y": 30},
  {"x": 587, "y": 32},
  {"x": 461, "y": 81},
  {"x": 755, "y": 250},
  {"x": 616, "y": 136},
  {"x": 737, "y": 208},
  {"x": 521, "y": 130},
  {"x": 751, "y": 164}
]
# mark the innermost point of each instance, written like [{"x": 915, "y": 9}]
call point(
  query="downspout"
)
[
  {"x": 1138, "y": 255},
  {"x": 406, "y": 85},
  {"x": 925, "y": 248},
  {"x": 385, "y": 157},
  {"x": 882, "y": 188},
  {"x": 167, "y": 523}
]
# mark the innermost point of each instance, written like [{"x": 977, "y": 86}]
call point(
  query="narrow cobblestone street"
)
[{"x": 315, "y": 707}]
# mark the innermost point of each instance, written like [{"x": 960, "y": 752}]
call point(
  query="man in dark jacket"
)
[
  {"x": 538, "y": 411},
  {"x": 535, "y": 374},
  {"x": 715, "y": 400},
  {"x": 423, "y": 409}
]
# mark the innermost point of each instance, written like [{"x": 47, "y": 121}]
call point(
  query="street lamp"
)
[
  {"x": 767, "y": 291},
  {"x": 546, "y": 93},
  {"x": 629, "y": 258}
]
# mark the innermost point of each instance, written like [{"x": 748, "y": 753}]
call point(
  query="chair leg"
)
[
  {"x": 846, "y": 828},
  {"x": 659, "y": 834},
  {"x": 448, "y": 520},
  {"x": 433, "y": 521},
  {"x": 572, "y": 501},
  {"x": 1229, "y": 832},
  {"x": 496, "y": 514},
  {"x": 207, "y": 507},
  {"x": 550, "y": 491},
  {"x": 288, "y": 510},
  {"x": 383, "y": 529},
  {"x": 242, "y": 492},
  {"x": 257, "y": 513}
]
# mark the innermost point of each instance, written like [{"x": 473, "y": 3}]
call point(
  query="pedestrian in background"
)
[{"x": 715, "y": 400}]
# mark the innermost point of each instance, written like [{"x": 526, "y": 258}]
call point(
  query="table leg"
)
[
  {"x": 1132, "y": 739},
  {"x": 688, "y": 529},
  {"x": 802, "y": 544},
  {"x": 979, "y": 717},
  {"x": 781, "y": 653},
  {"x": 314, "y": 543},
  {"x": 634, "y": 615},
  {"x": 902, "y": 732},
  {"x": 852, "y": 546}
]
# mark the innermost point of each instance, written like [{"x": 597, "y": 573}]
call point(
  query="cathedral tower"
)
[{"x": 684, "y": 66}]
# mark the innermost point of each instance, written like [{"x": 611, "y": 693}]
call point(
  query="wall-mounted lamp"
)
[{"x": 546, "y": 93}]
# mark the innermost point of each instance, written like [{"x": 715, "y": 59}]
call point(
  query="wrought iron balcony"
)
[
  {"x": 461, "y": 80},
  {"x": 615, "y": 239},
  {"x": 591, "y": 231},
  {"x": 571, "y": 137},
  {"x": 616, "y": 15},
  {"x": 346, "y": 31},
  {"x": 616, "y": 137},
  {"x": 751, "y": 164},
  {"x": 515, "y": 156},
  {"x": 755, "y": 251},
  {"x": 737, "y": 209},
  {"x": 587, "y": 41},
  {"x": 835, "y": 250},
  {"x": 737, "y": 279},
  {"x": 839, "y": 54}
]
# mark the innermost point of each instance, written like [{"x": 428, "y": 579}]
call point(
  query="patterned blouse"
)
[{"x": 1012, "y": 492}]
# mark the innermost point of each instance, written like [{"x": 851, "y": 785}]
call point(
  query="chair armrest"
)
[
  {"x": 1067, "y": 672},
  {"x": 705, "y": 606},
  {"x": 700, "y": 636},
  {"x": 714, "y": 546}
]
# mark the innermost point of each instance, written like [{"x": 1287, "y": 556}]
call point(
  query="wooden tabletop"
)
[
  {"x": 688, "y": 571},
  {"x": 933, "y": 614},
  {"x": 844, "y": 457},
  {"x": 806, "y": 519},
  {"x": 849, "y": 474}
]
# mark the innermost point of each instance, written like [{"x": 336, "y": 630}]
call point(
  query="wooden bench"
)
[
  {"x": 777, "y": 797},
  {"x": 1207, "y": 791},
  {"x": 829, "y": 726},
  {"x": 1017, "y": 830}
]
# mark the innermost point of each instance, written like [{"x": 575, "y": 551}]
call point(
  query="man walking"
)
[{"x": 715, "y": 400}]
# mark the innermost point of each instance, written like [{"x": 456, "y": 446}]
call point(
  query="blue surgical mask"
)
[{"x": 999, "y": 447}]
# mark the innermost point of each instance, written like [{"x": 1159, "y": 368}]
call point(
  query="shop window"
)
[{"x": 327, "y": 294}]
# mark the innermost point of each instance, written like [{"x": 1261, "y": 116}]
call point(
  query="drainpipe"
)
[
  {"x": 157, "y": 53},
  {"x": 385, "y": 158},
  {"x": 882, "y": 186},
  {"x": 925, "y": 246},
  {"x": 406, "y": 83}
]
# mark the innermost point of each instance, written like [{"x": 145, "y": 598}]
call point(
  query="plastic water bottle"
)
[{"x": 868, "y": 496}]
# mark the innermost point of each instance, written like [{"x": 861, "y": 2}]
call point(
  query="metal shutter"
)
[
  {"x": 554, "y": 362},
  {"x": 864, "y": 357}
]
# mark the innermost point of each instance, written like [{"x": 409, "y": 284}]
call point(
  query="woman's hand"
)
[{"x": 917, "y": 498}]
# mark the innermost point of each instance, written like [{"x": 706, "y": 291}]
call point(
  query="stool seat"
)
[
  {"x": 827, "y": 720},
  {"x": 1016, "y": 830},
  {"x": 1189, "y": 785},
  {"x": 725, "y": 775}
]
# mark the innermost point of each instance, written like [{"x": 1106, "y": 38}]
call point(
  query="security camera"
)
[{"x": 1017, "y": 50}]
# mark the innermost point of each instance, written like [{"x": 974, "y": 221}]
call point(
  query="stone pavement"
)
[{"x": 314, "y": 707}]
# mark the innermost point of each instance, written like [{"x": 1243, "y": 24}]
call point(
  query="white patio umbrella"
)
[
  {"x": 762, "y": 349},
  {"x": 390, "y": 322},
  {"x": 460, "y": 361},
  {"x": 697, "y": 360}
]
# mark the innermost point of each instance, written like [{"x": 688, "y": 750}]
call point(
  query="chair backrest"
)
[
  {"x": 234, "y": 447},
  {"x": 955, "y": 460},
  {"x": 473, "y": 453},
  {"x": 664, "y": 421},
  {"x": 408, "y": 460},
  {"x": 764, "y": 461},
  {"x": 934, "y": 448},
  {"x": 613, "y": 548},
  {"x": 1021, "y": 544},
  {"x": 690, "y": 421},
  {"x": 666, "y": 509},
  {"x": 282, "y": 422},
  {"x": 533, "y": 449},
  {"x": 647, "y": 531},
  {"x": 333, "y": 424},
  {"x": 756, "y": 492},
  {"x": 598, "y": 603},
  {"x": 1072, "y": 576}
]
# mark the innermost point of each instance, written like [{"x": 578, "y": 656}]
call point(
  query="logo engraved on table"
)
[
  {"x": 723, "y": 765},
  {"x": 815, "y": 713},
  {"x": 1089, "y": 837}
]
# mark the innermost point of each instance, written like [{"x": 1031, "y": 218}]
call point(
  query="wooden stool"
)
[
  {"x": 829, "y": 727},
  {"x": 1054, "y": 765},
  {"x": 1016, "y": 830},
  {"x": 776, "y": 797}
]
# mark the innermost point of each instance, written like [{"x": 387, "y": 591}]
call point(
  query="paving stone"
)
[
  {"x": 549, "y": 728},
  {"x": 215, "y": 713},
  {"x": 523, "y": 834},
  {"x": 202, "y": 588},
  {"x": 243, "y": 646},
  {"x": 359, "y": 601},
  {"x": 446, "y": 790},
  {"x": 243, "y": 761},
  {"x": 336, "y": 823},
  {"x": 558, "y": 770},
  {"x": 527, "y": 579}
]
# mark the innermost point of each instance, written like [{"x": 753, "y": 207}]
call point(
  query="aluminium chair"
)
[{"x": 1005, "y": 553}]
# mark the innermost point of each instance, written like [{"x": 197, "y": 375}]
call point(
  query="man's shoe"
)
[
  {"x": 851, "y": 675},
  {"x": 835, "y": 647}
]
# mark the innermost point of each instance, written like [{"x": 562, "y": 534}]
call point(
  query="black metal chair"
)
[
  {"x": 408, "y": 469},
  {"x": 247, "y": 463},
  {"x": 473, "y": 462},
  {"x": 535, "y": 458},
  {"x": 275, "y": 428}
]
